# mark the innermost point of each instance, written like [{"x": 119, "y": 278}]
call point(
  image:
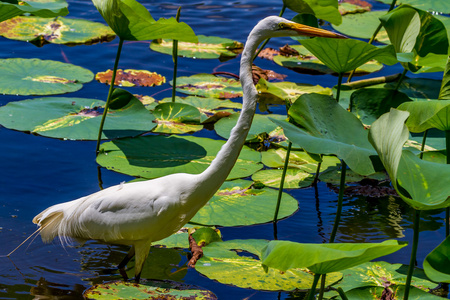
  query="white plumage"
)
[{"x": 140, "y": 213}]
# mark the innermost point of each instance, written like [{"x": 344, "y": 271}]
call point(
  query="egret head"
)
[{"x": 277, "y": 27}]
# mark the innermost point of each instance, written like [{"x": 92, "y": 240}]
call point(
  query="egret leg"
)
[
  {"x": 121, "y": 266},
  {"x": 142, "y": 250}
]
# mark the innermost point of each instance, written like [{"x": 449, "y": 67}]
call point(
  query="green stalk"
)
[
  {"x": 338, "y": 93},
  {"x": 316, "y": 176},
  {"x": 412, "y": 259},
  {"x": 400, "y": 80},
  {"x": 340, "y": 200},
  {"x": 283, "y": 176},
  {"x": 312, "y": 291},
  {"x": 175, "y": 59},
  {"x": 108, "y": 100},
  {"x": 267, "y": 40},
  {"x": 424, "y": 139}
]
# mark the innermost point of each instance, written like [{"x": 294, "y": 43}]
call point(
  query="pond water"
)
[{"x": 37, "y": 172}]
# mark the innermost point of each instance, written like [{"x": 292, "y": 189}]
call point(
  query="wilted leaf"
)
[{"x": 130, "y": 77}]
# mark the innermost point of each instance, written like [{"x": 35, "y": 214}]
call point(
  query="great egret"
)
[{"x": 140, "y": 213}]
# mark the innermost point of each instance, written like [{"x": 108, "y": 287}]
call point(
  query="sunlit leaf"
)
[
  {"x": 78, "y": 118},
  {"x": 324, "y": 258},
  {"x": 323, "y": 9},
  {"x": 445, "y": 87},
  {"x": 372, "y": 293},
  {"x": 130, "y": 78},
  {"x": 176, "y": 117},
  {"x": 294, "y": 179},
  {"x": 207, "y": 47},
  {"x": 10, "y": 9},
  {"x": 236, "y": 203},
  {"x": 208, "y": 85},
  {"x": 238, "y": 263},
  {"x": 427, "y": 114},
  {"x": 437, "y": 6},
  {"x": 147, "y": 156},
  {"x": 130, "y": 20},
  {"x": 181, "y": 238},
  {"x": 19, "y": 76},
  {"x": 437, "y": 263}
]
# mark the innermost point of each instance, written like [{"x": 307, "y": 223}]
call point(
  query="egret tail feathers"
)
[{"x": 50, "y": 226}]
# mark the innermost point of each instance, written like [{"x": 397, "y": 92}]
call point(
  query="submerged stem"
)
[
  {"x": 108, "y": 100},
  {"x": 175, "y": 59},
  {"x": 412, "y": 259},
  {"x": 340, "y": 200}
]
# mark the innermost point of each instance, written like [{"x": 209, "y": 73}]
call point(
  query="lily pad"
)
[
  {"x": 208, "y": 85},
  {"x": 11, "y": 8},
  {"x": 353, "y": 7},
  {"x": 181, "y": 238},
  {"x": 322, "y": 9},
  {"x": 208, "y": 47},
  {"x": 19, "y": 76},
  {"x": 436, "y": 6},
  {"x": 147, "y": 289},
  {"x": 131, "y": 78},
  {"x": 333, "y": 176},
  {"x": 294, "y": 179},
  {"x": 41, "y": 31},
  {"x": 238, "y": 263},
  {"x": 77, "y": 118},
  {"x": 176, "y": 118},
  {"x": 156, "y": 156},
  {"x": 236, "y": 203},
  {"x": 427, "y": 114},
  {"x": 329, "y": 129},
  {"x": 371, "y": 293},
  {"x": 261, "y": 125},
  {"x": 437, "y": 264}
]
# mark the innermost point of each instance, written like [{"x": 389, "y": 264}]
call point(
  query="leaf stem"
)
[
  {"x": 312, "y": 291},
  {"x": 340, "y": 200},
  {"x": 283, "y": 176},
  {"x": 338, "y": 93},
  {"x": 316, "y": 176},
  {"x": 424, "y": 139},
  {"x": 400, "y": 80},
  {"x": 175, "y": 59},
  {"x": 108, "y": 100},
  {"x": 412, "y": 259}
]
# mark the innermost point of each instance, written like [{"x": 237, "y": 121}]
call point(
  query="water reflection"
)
[{"x": 55, "y": 291}]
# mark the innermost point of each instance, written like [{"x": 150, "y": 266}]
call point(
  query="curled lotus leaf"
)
[
  {"x": 324, "y": 9},
  {"x": 437, "y": 262},
  {"x": 427, "y": 114},
  {"x": 131, "y": 77},
  {"x": 19, "y": 76},
  {"x": 208, "y": 85},
  {"x": 208, "y": 47},
  {"x": 41, "y": 31},
  {"x": 12, "y": 8}
]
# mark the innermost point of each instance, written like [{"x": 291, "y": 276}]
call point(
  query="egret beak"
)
[{"x": 305, "y": 30}]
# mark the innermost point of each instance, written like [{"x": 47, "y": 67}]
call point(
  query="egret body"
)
[{"x": 140, "y": 213}]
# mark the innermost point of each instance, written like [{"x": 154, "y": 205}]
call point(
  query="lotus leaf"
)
[
  {"x": 437, "y": 263},
  {"x": 421, "y": 184},
  {"x": 323, "y": 134},
  {"x": 363, "y": 25},
  {"x": 445, "y": 87},
  {"x": 77, "y": 118},
  {"x": 131, "y": 78},
  {"x": 11, "y": 8},
  {"x": 147, "y": 289},
  {"x": 181, "y": 238},
  {"x": 19, "y": 76},
  {"x": 207, "y": 47},
  {"x": 423, "y": 88},
  {"x": 344, "y": 55},
  {"x": 353, "y": 8},
  {"x": 324, "y": 258},
  {"x": 260, "y": 126},
  {"x": 236, "y": 203},
  {"x": 333, "y": 175},
  {"x": 237, "y": 262},
  {"x": 40, "y": 31},
  {"x": 176, "y": 117},
  {"x": 208, "y": 85},
  {"x": 294, "y": 178},
  {"x": 436, "y": 6},
  {"x": 147, "y": 156},
  {"x": 371, "y": 293},
  {"x": 130, "y": 20},
  {"x": 323, "y": 9},
  {"x": 427, "y": 114}
]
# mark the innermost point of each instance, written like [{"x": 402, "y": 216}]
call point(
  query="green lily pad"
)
[
  {"x": 19, "y": 76},
  {"x": 181, "y": 238},
  {"x": 427, "y": 114},
  {"x": 156, "y": 156},
  {"x": 323, "y": 9},
  {"x": 421, "y": 184},
  {"x": 345, "y": 55},
  {"x": 371, "y": 293},
  {"x": 238, "y": 263},
  {"x": 208, "y": 85},
  {"x": 329, "y": 129},
  {"x": 261, "y": 125},
  {"x": 40, "y": 31},
  {"x": 77, "y": 118},
  {"x": 437, "y": 6},
  {"x": 11, "y": 8},
  {"x": 237, "y": 204},
  {"x": 176, "y": 117},
  {"x": 275, "y": 158},
  {"x": 131, "y": 21},
  {"x": 294, "y": 179},
  {"x": 370, "y": 104},
  {"x": 207, "y": 47},
  {"x": 147, "y": 289},
  {"x": 306, "y": 62},
  {"x": 324, "y": 258},
  {"x": 437, "y": 263}
]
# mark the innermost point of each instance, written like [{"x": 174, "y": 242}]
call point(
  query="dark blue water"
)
[{"x": 37, "y": 172}]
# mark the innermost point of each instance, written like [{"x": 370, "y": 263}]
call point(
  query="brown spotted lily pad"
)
[
  {"x": 208, "y": 85},
  {"x": 19, "y": 76},
  {"x": 41, "y": 31},
  {"x": 131, "y": 78}
]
